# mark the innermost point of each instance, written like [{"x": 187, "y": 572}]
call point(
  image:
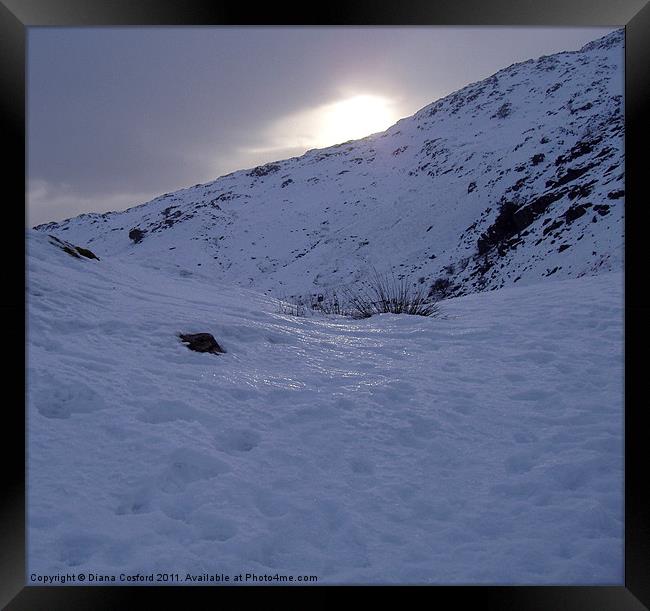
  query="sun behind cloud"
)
[
  {"x": 354, "y": 118},
  {"x": 348, "y": 119}
]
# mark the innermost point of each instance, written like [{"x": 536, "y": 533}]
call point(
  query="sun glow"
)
[
  {"x": 326, "y": 125},
  {"x": 354, "y": 118}
]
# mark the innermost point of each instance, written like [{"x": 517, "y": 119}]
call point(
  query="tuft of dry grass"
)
[
  {"x": 387, "y": 294},
  {"x": 381, "y": 294}
]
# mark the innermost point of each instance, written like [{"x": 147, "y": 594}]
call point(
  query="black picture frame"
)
[{"x": 17, "y": 15}]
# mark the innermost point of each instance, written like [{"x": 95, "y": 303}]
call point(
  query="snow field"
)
[{"x": 485, "y": 446}]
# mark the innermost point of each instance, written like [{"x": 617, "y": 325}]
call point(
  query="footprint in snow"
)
[
  {"x": 213, "y": 527},
  {"x": 137, "y": 500},
  {"x": 169, "y": 411},
  {"x": 61, "y": 399},
  {"x": 271, "y": 505},
  {"x": 237, "y": 440},
  {"x": 186, "y": 466},
  {"x": 77, "y": 548}
]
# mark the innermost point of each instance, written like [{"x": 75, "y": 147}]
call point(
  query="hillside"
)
[{"x": 512, "y": 179}]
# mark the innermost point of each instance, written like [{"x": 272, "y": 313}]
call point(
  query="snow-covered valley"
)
[{"x": 483, "y": 445}]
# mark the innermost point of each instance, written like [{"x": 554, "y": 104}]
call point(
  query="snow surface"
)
[{"x": 485, "y": 446}]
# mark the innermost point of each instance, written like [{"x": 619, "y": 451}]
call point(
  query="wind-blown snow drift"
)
[{"x": 482, "y": 447}]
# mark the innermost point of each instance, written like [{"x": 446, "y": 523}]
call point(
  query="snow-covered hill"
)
[
  {"x": 482, "y": 447},
  {"x": 511, "y": 179}
]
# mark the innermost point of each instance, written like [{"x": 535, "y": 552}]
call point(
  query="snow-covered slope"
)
[
  {"x": 514, "y": 178},
  {"x": 482, "y": 447}
]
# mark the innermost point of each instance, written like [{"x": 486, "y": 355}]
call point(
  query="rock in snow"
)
[
  {"x": 201, "y": 342},
  {"x": 136, "y": 235},
  {"x": 74, "y": 251}
]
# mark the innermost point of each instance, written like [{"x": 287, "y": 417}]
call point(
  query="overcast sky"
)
[{"x": 117, "y": 116}]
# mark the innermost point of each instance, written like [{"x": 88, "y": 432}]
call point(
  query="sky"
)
[{"x": 117, "y": 116}]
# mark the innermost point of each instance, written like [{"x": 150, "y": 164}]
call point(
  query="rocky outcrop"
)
[
  {"x": 136, "y": 235},
  {"x": 74, "y": 251}
]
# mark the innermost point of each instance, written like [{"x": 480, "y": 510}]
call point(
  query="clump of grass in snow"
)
[
  {"x": 386, "y": 294},
  {"x": 382, "y": 294}
]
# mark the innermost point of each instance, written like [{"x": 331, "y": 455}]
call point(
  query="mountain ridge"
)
[{"x": 485, "y": 187}]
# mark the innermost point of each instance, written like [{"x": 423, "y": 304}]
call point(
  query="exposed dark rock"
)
[
  {"x": 519, "y": 184},
  {"x": 570, "y": 174},
  {"x": 201, "y": 342},
  {"x": 84, "y": 252},
  {"x": 136, "y": 235},
  {"x": 573, "y": 110},
  {"x": 503, "y": 227},
  {"x": 471, "y": 187},
  {"x": 553, "y": 226},
  {"x": 575, "y": 212},
  {"x": 616, "y": 194},
  {"x": 503, "y": 112},
  {"x": 581, "y": 190},
  {"x": 167, "y": 211},
  {"x": 74, "y": 251},
  {"x": 538, "y": 158},
  {"x": 581, "y": 148},
  {"x": 514, "y": 218},
  {"x": 264, "y": 170},
  {"x": 602, "y": 209},
  {"x": 440, "y": 288},
  {"x": 70, "y": 251},
  {"x": 547, "y": 63},
  {"x": 606, "y": 152}
]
